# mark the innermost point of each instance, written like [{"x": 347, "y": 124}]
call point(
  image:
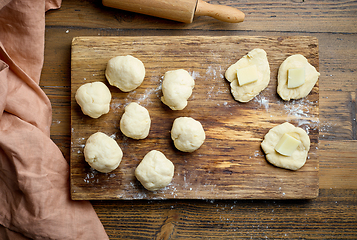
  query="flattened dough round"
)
[
  {"x": 155, "y": 171},
  {"x": 247, "y": 92},
  {"x": 102, "y": 152},
  {"x": 177, "y": 88},
  {"x": 135, "y": 122},
  {"x": 311, "y": 77},
  {"x": 125, "y": 72},
  {"x": 298, "y": 158},
  {"x": 94, "y": 99},
  {"x": 188, "y": 134}
]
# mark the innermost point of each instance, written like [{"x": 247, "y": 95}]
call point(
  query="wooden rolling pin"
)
[{"x": 178, "y": 10}]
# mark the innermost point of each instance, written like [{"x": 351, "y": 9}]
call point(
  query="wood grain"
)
[
  {"x": 330, "y": 216},
  {"x": 262, "y": 16},
  {"x": 230, "y": 164}
]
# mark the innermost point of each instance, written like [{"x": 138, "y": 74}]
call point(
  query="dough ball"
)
[
  {"x": 155, "y": 171},
  {"x": 102, "y": 152},
  {"x": 247, "y": 92},
  {"x": 311, "y": 77},
  {"x": 298, "y": 158},
  {"x": 187, "y": 134},
  {"x": 125, "y": 72},
  {"x": 135, "y": 122},
  {"x": 94, "y": 99},
  {"x": 177, "y": 88}
]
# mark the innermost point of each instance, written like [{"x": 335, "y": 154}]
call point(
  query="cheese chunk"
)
[
  {"x": 296, "y": 77},
  {"x": 287, "y": 145},
  {"x": 247, "y": 75}
]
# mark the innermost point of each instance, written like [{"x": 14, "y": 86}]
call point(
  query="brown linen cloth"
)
[{"x": 34, "y": 176}]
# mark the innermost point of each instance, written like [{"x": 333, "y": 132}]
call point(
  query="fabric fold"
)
[{"x": 34, "y": 176}]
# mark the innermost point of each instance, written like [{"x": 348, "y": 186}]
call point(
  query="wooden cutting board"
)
[{"x": 230, "y": 164}]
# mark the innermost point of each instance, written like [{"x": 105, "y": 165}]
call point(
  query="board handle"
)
[{"x": 219, "y": 12}]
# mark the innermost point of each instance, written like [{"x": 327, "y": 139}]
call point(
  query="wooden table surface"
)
[{"x": 332, "y": 215}]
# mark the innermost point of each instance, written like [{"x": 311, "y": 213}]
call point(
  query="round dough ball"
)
[
  {"x": 125, "y": 72},
  {"x": 247, "y": 92},
  {"x": 188, "y": 134},
  {"x": 94, "y": 99},
  {"x": 102, "y": 152},
  {"x": 135, "y": 122},
  {"x": 155, "y": 171},
  {"x": 311, "y": 77},
  {"x": 177, "y": 88},
  {"x": 298, "y": 158}
]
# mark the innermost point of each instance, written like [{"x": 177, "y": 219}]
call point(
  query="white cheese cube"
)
[
  {"x": 287, "y": 145},
  {"x": 296, "y": 77},
  {"x": 247, "y": 75}
]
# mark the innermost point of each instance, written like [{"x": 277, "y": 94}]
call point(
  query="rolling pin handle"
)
[{"x": 219, "y": 12}]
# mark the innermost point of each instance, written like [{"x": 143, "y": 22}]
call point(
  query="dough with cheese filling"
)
[
  {"x": 311, "y": 76},
  {"x": 297, "y": 158},
  {"x": 247, "y": 92}
]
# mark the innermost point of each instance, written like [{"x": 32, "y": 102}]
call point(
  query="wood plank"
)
[
  {"x": 338, "y": 62},
  {"x": 278, "y": 16},
  {"x": 331, "y": 216},
  {"x": 230, "y": 164},
  {"x": 61, "y": 114},
  {"x": 336, "y": 171},
  {"x": 336, "y": 116}
]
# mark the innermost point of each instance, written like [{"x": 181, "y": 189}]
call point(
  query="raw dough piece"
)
[
  {"x": 247, "y": 92},
  {"x": 135, "y": 122},
  {"x": 298, "y": 157},
  {"x": 311, "y": 77},
  {"x": 155, "y": 171},
  {"x": 125, "y": 72},
  {"x": 177, "y": 88},
  {"x": 187, "y": 134},
  {"x": 94, "y": 99},
  {"x": 102, "y": 152}
]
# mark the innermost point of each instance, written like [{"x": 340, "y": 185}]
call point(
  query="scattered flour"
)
[
  {"x": 214, "y": 73},
  {"x": 56, "y": 122},
  {"x": 115, "y": 105},
  {"x": 147, "y": 93},
  {"x": 300, "y": 110},
  {"x": 257, "y": 153},
  {"x": 263, "y": 101},
  {"x": 195, "y": 75},
  {"x": 91, "y": 177}
]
